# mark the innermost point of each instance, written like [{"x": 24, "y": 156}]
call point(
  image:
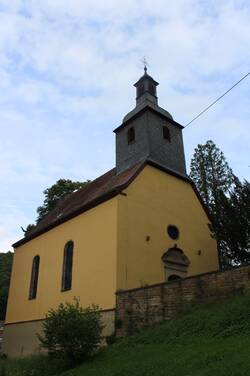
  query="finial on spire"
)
[
  {"x": 146, "y": 86},
  {"x": 145, "y": 63}
]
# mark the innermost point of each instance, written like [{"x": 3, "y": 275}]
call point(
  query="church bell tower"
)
[{"x": 149, "y": 132}]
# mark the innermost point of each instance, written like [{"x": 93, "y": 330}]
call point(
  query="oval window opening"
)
[{"x": 173, "y": 232}]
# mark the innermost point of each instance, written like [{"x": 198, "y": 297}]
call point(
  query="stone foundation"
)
[{"x": 142, "y": 307}]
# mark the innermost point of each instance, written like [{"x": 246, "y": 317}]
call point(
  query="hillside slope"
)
[{"x": 213, "y": 340}]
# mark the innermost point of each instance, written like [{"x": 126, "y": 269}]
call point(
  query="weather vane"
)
[{"x": 145, "y": 64}]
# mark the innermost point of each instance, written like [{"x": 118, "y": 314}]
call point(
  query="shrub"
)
[{"x": 71, "y": 332}]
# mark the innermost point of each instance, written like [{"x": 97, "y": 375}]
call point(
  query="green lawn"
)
[{"x": 213, "y": 340}]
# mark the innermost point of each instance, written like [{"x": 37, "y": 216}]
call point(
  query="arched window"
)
[
  {"x": 151, "y": 88},
  {"x": 67, "y": 266},
  {"x": 131, "y": 135},
  {"x": 34, "y": 277},
  {"x": 166, "y": 133},
  {"x": 140, "y": 90}
]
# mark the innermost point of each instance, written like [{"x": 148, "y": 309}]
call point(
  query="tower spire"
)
[
  {"x": 146, "y": 87},
  {"x": 145, "y": 64}
]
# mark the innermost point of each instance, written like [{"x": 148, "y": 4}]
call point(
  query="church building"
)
[{"x": 141, "y": 223}]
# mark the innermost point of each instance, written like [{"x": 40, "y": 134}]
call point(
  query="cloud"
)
[{"x": 66, "y": 75}]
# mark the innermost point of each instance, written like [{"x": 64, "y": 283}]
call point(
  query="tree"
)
[
  {"x": 232, "y": 225},
  {"x": 211, "y": 174},
  {"x": 240, "y": 201},
  {"x": 6, "y": 260},
  {"x": 71, "y": 332},
  {"x": 28, "y": 229},
  {"x": 55, "y": 193},
  {"x": 227, "y": 200}
]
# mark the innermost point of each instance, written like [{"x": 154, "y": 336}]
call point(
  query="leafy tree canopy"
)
[
  {"x": 211, "y": 173},
  {"x": 232, "y": 225},
  {"x": 53, "y": 195},
  {"x": 228, "y": 201},
  {"x": 5, "y": 271}
]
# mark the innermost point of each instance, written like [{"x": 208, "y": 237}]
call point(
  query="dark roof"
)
[
  {"x": 146, "y": 76},
  {"x": 99, "y": 190}
]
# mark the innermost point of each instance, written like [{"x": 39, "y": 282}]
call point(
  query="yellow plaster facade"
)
[
  {"x": 94, "y": 234},
  {"x": 153, "y": 201}
]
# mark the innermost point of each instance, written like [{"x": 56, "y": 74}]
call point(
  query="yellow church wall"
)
[
  {"x": 94, "y": 234},
  {"x": 153, "y": 201}
]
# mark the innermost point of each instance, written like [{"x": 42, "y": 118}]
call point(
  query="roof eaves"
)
[
  {"x": 201, "y": 201},
  {"x": 146, "y": 77},
  {"x": 65, "y": 218},
  {"x": 107, "y": 196},
  {"x": 168, "y": 170}
]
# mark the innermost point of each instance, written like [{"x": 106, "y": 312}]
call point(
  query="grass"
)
[
  {"x": 210, "y": 340},
  {"x": 30, "y": 366}
]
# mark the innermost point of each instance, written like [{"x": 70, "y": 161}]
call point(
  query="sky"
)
[{"x": 67, "y": 70}]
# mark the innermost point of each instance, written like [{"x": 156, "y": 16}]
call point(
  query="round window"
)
[{"x": 173, "y": 232}]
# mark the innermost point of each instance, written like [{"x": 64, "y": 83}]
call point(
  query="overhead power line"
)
[{"x": 217, "y": 100}]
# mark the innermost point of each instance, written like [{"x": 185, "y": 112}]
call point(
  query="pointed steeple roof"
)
[
  {"x": 146, "y": 88},
  {"x": 146, "y": 77},
  {"x": 146, "y": 97}
]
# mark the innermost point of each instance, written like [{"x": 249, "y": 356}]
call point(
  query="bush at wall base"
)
[{"x": 71, "y": 332}]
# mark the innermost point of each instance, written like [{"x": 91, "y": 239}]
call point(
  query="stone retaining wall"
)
[{"x": 145, "y": 306}]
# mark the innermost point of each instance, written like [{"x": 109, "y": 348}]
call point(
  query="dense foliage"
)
[
  {"x": 228, "y": 201},
  {"x": 213, "y": 340},
  {"x": 6, "y": 260},
  {"x": 232, "y": 225},
  {"x": 211, "y": 174},
  {"x": 71, "y": 332},
  {"x": 53, "y": 195}
]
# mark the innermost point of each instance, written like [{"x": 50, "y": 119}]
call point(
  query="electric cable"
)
[{"x": 217, "y": 100}]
